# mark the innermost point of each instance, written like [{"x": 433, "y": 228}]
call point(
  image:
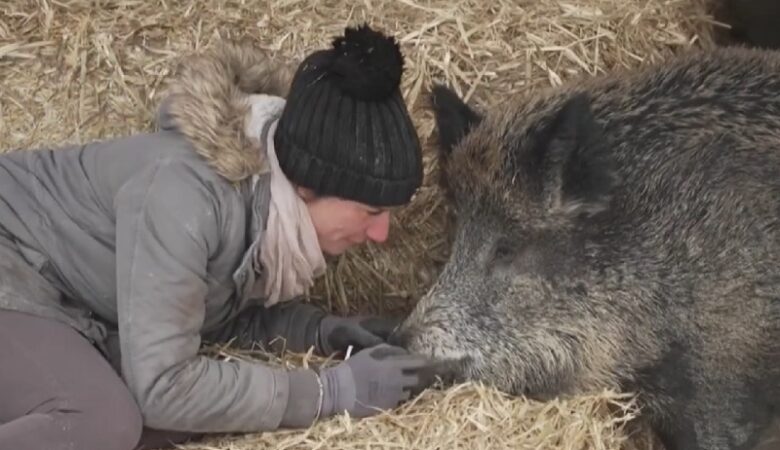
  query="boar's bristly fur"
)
[{"x": 622, "y": 231}]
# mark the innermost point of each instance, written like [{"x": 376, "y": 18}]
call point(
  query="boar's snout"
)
[
  {"x": 447, "y": 368},
  {"x": 400, "y": 338},
  {"x": 429, "y": 337},
  {"x": 411, "y": 335}
]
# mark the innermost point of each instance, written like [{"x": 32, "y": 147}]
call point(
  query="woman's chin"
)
[{"x": 335, "y": 248}]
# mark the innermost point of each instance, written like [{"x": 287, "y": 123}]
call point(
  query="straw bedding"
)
[{"x": 75, "y": 70}]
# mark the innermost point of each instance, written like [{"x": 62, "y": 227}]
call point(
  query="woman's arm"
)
[{"x": 166, "y": 230}]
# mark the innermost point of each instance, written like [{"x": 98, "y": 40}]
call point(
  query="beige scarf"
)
[{"x": 289, "y": 254}]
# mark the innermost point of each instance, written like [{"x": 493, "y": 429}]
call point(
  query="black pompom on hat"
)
[{"x": 345, "y": 130}]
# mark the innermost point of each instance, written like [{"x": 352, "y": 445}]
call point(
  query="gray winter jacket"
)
[{"x": 149, "y": 238}]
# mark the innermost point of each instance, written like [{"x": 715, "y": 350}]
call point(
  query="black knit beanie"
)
[{"x": 345, "y": 130}]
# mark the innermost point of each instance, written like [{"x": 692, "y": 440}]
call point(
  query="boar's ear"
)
[
  {"x": 577, "y": 169},
  {"x": 454, "y": 118}
]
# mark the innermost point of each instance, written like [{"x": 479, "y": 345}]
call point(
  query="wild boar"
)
[{"x": 622, "y": 231}]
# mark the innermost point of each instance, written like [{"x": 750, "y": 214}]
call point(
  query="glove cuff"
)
[
  {"x": 302, "y": 324},
  {"x": 303, "y": 399},
  {"x": 324, "y": 328},
  {"x": 312, "y": 325},
  {"x": 339, "y": 391}
]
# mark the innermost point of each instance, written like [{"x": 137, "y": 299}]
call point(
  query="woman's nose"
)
[{"x": 379, "y": 228}]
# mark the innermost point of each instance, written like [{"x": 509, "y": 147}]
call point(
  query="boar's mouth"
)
[
  {"x": 457, "y": 367},
  {"x": 451, "y": 371}
]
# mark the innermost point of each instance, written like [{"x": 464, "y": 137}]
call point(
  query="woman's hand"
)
[{"x": 337, "y": 334}]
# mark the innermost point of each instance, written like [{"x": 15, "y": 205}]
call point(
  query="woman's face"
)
[{"x": 341, "y": 224}]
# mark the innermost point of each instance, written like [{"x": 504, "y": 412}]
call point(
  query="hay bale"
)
[
  {"x": 467, "y": 416},
  {"x": 76, "y": 70}
]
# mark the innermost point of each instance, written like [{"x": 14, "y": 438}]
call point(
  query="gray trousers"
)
[{"x": 57, "y": 392}]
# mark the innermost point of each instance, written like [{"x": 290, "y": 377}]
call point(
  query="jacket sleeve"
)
[
  {"x": 288, "y": 326},
  {"x": 167, "y": 226}
]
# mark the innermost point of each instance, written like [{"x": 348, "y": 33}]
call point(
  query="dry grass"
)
[
  {"x": 76, "y": 70},
  {"x": 467, "y": 416}
]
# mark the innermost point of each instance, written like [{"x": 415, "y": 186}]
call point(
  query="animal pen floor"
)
[{"x": 75, "y": 70}]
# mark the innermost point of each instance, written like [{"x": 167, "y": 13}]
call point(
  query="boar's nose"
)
[{"x": 399, "y": 338}]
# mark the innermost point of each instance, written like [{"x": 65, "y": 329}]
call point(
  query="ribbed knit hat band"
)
[{"x": 345, "y": 130}]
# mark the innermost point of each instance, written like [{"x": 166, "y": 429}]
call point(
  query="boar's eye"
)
[{"x": 503, "y": 253}]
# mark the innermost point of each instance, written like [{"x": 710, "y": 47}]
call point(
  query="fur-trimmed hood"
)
[{"x": 207, "y": 101}]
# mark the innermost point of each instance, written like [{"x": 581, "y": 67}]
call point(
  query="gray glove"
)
[
  {"x": 336, "y": 334},
  {"x": 377, "y": 378},
  {"x": 301, "y": 325}
]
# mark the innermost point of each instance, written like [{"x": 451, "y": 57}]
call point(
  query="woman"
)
[{"x": 119, "y": 258}]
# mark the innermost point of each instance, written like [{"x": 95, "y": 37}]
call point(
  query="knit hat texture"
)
[{"x": 345, "y": 130}]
